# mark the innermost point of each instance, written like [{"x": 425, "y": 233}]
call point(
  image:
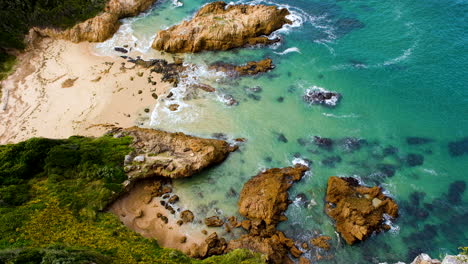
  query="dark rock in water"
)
[
  {"x": 282, "y": 138},
  {"x": 347, "y": 24},
  {"x": 302, "y": 141},
  {"x": 120, "y": 49},
  {"x": 458, "y": 148},
  {"x": 291, "y": 89},
  {"x": 124, "y": 57},
  {"x": 387, "y": 170},
  {"x": 455, "y": 192},
  {"x": 415, "y": 198},
  {"x": 268, "y": 159},
  {"x": 331, "y": 161},
  {"x": 320, "y": 76},
  {"x": 302, "y": 199},
  {"x": 418, "y": 140},
  {"x": 351, "y": 144},
  {"x": 414, "y": 160},
  {"x": 280, "y": 99},
  {"x": 229, "y": 100},
  {"x": 232, "y": 193},
  {"x": 390, "y": 150},
  {"x": 256, "y": 89},
  {"x": 254, "y": 97},
  {"x": 324, "y": 143},
  {"x": 321, "y": 96},
  {"x": 221, "y": 136},
  {"x": 289, "y": 74}
]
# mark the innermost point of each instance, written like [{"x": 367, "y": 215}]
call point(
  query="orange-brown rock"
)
[
  {"x": 213, "y": 246},
  {"x": 171, "y": 155},
  {"x": 265, "y": 196},
  {"x": 357, "y": 210},
  {"x": 214, "y": 221},
  {"x": 271, "y": 247},
  {"x": 217, "y": 26},
  {"x": 251, "y": 68},
  {"x": 263, "y": 200},
  {"x": 303, "y": 260},
  {"x": 100, "y": 27},
  {"x": 321, "y": 242}
]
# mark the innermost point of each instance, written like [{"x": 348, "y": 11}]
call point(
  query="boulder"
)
[
  {"x": 357, "y": 210},
  {"x": 214, "y": 221},
  {"x": 217, "y": 26},
  {"x": 321, "y": 242},
  {"x": 186, "y": 216}
]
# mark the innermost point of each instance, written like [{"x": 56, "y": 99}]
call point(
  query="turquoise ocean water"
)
[{"x": 401, "y": 67}]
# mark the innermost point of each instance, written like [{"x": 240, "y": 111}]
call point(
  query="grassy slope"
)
[{"x": 51, "y": 196}]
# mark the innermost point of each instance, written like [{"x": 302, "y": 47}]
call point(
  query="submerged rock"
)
[
  {"x": 357, "y": 210},
  {"x": 458, "y": 148},
  {"x": 172, "y": 155},
  {"x": 418, "y": 140},
  {"x": 318, "y": 95},
  {"x": 217, "y": 26},
  {"x": 414, "y": 160},
  {"x": 324, "y": 143}
]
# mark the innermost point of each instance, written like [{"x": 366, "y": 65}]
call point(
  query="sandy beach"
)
[{"x": 60, "y": 89}]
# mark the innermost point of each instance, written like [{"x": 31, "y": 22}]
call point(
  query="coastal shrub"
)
[{"x": 52, "y": 193}]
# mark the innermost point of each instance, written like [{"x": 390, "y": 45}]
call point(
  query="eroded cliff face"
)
[
  {"x": 217, "y": 26},
  {"x": 171, "y": 155},
  {"x": 358, "y": 210},
  {"x": 100, "y": 27},
  {"x": 263, "y": 200}
]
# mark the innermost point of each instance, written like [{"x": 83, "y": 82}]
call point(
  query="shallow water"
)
[{"x": 401, "y": 69}]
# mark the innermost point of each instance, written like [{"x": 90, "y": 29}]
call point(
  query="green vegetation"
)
[
  {"x": 52, "y": 193},
  {"x": 17, "y": 16}
]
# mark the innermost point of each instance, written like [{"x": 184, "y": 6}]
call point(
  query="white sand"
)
[{"x": 35, "y": 104}]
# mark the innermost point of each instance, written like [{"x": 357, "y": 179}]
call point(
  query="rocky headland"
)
[
  {"x": 218, "y": 26},
  {"x": 263, "y": 201},
  {"x": 100, "y": 27},
  {"x": 358, "y": 211},
  {"x": 171, "y": 155}
]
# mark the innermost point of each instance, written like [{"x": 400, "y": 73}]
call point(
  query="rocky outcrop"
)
[
  {"x": 100, "y": 27},
  {"x": 265, "y": 196},
  {"x": 448, "y": 259},
  {"x": 263, "y": 200},
  {"x": 318, "y": 95},
  {"x": 251, "y": 68},
  {"x": 217, "y": 26},
  {"x": 358, "y": 210},
  {"x": 321, "y": 242},
  {"x": 171, "y": 155}
]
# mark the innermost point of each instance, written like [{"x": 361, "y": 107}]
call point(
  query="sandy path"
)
[{"x": 62, "y": 89}]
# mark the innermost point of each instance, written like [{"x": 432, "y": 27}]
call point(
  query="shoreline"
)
[{"x": 60, "y": 89}]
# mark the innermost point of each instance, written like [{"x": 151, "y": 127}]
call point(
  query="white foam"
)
[
  {"x": 341, "y": 116},
  {"x": 394, "y": 229},
  {"x": 301, "y": 161},
  {"x": 177, "y": 3},
  {"x": 433, "y": 172},
  {"x": 332, "y": 101},
  {"x": 289, "y": 50}
]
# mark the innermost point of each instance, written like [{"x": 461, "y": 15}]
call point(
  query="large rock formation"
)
[
  {"x": 251, "y": 68},
  {"x": 357, "y": 210},
  {"x": 263, "y": 200},
  {"x": 217, "y": 26},
  {"x": 172, "y": 155},
  {"x": 100, "y": 27}
]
